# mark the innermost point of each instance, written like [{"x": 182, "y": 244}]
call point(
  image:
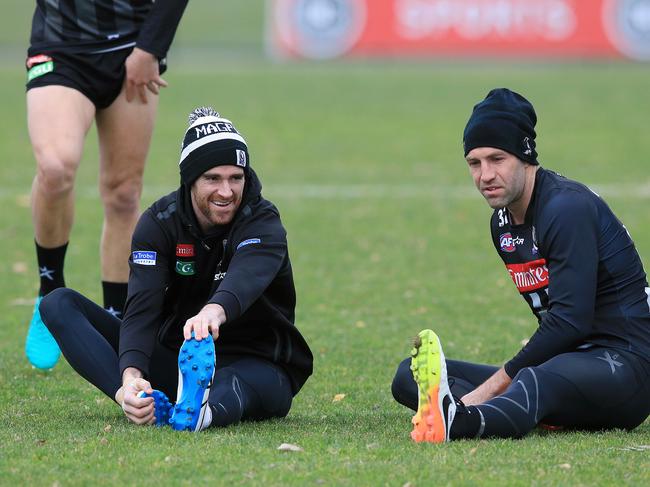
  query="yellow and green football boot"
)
[{"x": 436, "y": 406}]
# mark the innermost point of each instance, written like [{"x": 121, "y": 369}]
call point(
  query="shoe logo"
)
[
  {"x": 611, "y": 360},
  {"x": 47, "y": 273}
]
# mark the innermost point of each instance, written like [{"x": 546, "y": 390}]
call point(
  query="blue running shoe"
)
[
  {"x": 196, "y": 363},
  {"x": 161, "y": 406},
  {"x": 41, "y": 348}
]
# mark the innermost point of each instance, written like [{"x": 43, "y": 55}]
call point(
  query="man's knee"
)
[
  {"x": 55, "y": 175},
  {"x": 121, "y": 197},
  {"x": 226, "y": 398},
  {"x": 52, "y": 308},
  {"x": 403, "y": 387}
]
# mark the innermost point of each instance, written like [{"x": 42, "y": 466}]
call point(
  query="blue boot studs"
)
[{"x": 196, "y": 363}]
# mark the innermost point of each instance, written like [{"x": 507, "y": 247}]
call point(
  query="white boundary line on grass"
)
[{"x": 635, "y": 191}]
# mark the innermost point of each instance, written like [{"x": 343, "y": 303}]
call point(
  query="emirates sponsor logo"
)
[
  {"x": 184, "y": 250},
  {"x": 529, "y": 276}
]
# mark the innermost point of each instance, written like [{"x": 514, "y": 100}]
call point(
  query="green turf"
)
[{"x": 387, "y": 236}]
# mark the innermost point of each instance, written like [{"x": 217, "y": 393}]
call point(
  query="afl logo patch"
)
[{"x": 506, "y": 242}]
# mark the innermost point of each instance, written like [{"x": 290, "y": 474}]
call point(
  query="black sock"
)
[
  {"x": 115, "y": 297},
  {"x": 467, "y": 422},
  {"x": 50, "y": 267}
]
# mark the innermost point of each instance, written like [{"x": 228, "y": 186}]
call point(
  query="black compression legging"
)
[
  {"x": 597, "y": 388},
  {"x": 244, "y": 387}
]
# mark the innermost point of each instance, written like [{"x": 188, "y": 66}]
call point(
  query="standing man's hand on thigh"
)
[{"x": 142, "y": 72}]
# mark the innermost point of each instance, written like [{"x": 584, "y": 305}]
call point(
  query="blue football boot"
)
[
  {"x": 41, "y": 348},
  {"x": 161, "y": 406},
  {"x": 196, "y": 362}
]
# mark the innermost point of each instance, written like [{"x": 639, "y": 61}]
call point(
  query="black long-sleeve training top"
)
[
  {"x": 105, "y": 25},
  {"x": 576, "y": 266},
  {"x": 244, "y": 266}
]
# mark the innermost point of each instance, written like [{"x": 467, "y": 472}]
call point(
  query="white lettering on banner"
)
[
  {"x": 553, "y": 20},
  {"x": 529, "y": 276}
]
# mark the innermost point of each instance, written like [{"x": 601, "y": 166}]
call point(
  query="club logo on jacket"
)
[
  {"x": 529, "y": 276},
  {"x": 509, "y": 243},
  {"x": 184, "y": 250},
  {"x": 185, "y": 268},
  {"x": 219, "y": 276}
]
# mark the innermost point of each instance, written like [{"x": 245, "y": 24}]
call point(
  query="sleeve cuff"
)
[
  {"x": 228, "y": 302},
  {"x": 511, "y": 369},
  {"x": 134, "y": 358},
  {"x": 159, "y": 54}
]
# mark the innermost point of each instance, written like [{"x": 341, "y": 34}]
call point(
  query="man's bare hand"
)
[
  {"x": 206, "y": 322},
  {"x": 139, "y": 410},
  {"x": 142, "y": 72},
  {"x": 492, "y": 387}
]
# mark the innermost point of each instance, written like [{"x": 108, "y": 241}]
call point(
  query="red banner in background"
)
[{"x": 319, "y": 29}]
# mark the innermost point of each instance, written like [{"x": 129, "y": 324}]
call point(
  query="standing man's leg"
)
[
  {"x": 58, "y": 120},
  {"x": 124, "y": 130}
]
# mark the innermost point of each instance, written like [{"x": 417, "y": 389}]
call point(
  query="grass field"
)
[{"x": 387, "y": 236}]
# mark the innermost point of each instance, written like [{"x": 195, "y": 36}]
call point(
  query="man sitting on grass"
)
[
  {"x": 209, "y": 263},
  {"x": 588, "y": 364}
]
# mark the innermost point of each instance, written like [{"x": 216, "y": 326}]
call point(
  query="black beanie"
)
[
  {"x": 504, "y": 120},
  {"x": 210, "y": 141}
]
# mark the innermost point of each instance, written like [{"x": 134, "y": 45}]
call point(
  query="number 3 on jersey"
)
[{"x": 503, "y": 217}]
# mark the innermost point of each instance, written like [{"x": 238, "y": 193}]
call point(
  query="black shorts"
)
[{"x": 99, "y": 76}]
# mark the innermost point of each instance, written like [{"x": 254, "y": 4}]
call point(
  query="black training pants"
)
[
  {"x": 596, "y": 388},
  {"x": 244, "y": 386}
]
